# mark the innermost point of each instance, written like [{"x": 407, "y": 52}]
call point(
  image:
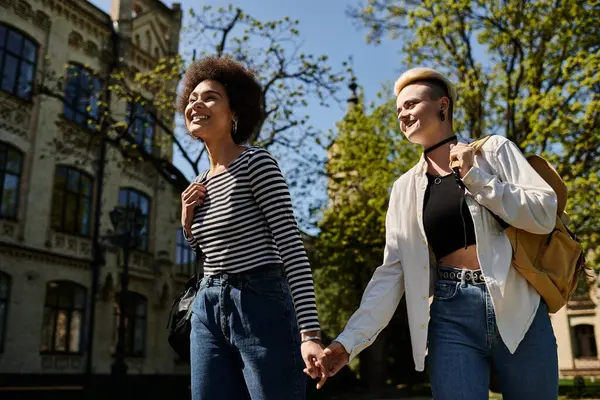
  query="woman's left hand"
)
[
  {"x": 317, "y": 365},
  {"x": 464, "y": 154}
]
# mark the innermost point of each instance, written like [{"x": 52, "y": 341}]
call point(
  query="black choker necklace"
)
[{"x": 443, "y": 142}]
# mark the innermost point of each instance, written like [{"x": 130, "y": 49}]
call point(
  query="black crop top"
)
[{"x": 446, "y": 217}]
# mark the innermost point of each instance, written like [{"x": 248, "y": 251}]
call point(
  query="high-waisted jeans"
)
[
  {"x": 245, "y": 342},
  {"x": 464, "y": 344}
]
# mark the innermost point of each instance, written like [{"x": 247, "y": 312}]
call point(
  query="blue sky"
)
[{"x": 324, "y": 29}]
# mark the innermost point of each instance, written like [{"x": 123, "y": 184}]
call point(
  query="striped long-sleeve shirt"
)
[{"x": 247, "y": 221}]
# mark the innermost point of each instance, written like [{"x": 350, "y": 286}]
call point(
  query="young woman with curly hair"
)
[{"x": 254, "y": 319}]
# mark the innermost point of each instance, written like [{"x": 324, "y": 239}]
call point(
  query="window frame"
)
[
  {"x": 138, "y": 114},
  {"x": 88, "y": 95},
  {"x": 4, "y": 146},
  {"x": 65, "y": 192},
  {"x": 145, "y": 247},
  {"x": 183, "y": 249},
  {"x": 6, "y": 301},
  {"x": 55, "y": 309},
  {"x": 20, "y": 60},
  {"x": 580, "y": 335},
  {"x": 129, "y": 317}
]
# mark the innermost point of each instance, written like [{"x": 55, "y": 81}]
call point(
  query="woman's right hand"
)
[{"x": 191, "y": 197}]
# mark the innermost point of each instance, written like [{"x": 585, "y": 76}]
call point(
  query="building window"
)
[
  {"x": 71, "y": 201},
  {"x": 141, "y": 125},
  {"x": 62, "y": 327},
  {"x": 585, "y": 342},
  {"x": 134, "y": 198},
  {"x": 4, "y": 296},
  {"x": 185, "y": 256},
  {"x": 11, "y": 163},
  {"x": 148, "y": 41},
  {"x": 18, "y": 58},
  {"x": 135, "y": 324},
  {"x": 82, "y": 97}
]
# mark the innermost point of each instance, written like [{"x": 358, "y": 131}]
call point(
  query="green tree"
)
[
  {"x": 526, "y": 69},
  {"x": 368, "y": 154}
]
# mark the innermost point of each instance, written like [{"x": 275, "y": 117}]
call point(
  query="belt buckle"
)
[{"x": 473, "y": 278}]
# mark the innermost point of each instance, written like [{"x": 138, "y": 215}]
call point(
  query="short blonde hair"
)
[{"x": 424, "y": 74}]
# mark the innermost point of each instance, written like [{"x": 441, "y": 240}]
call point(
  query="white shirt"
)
[{"x": 502, "y": 180}]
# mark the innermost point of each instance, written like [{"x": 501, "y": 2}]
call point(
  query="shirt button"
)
[
  {"x": 424, "y": 297},
  {"x": 419, "y": 215},
  {"x": 422, "y": 326},
  {"x": 425, "y": 267},
  {"x": 225, "y": 276},
  {"x": 423, "y": 187}
]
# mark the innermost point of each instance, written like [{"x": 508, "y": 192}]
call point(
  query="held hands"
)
[
  {"x": 463, "y": 154},
  {"x": 191, "y": 197},
  {"x": 335, "y": 358},
  {"x": 317, "y": 365}
]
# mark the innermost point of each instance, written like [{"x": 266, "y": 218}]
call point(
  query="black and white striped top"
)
[{"x": 247, "y": 221}]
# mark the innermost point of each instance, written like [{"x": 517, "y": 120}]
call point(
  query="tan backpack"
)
[{"x": 551, "y": 263}]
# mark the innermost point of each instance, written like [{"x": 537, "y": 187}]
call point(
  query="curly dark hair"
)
[{"x": 243, "y": 89}]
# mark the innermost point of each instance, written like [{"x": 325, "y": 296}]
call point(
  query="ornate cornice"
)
[
  {"x": 33, "y": 254},
  {"x": 15, "y": 115},
  {"x": 80, "y": 17},
  {"x": 24, "y": 10}
]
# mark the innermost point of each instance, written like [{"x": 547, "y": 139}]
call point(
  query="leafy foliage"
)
[
  {"x": 367, "y": 156},
  {"x": 526, "y": 69}
]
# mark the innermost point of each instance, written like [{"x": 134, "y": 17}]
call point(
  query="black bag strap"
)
[{"x": 503, "y": 224}]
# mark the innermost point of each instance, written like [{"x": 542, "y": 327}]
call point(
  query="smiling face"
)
[
  {"x": 419, "y": 114},
  {"x": 207, "y": 114}
]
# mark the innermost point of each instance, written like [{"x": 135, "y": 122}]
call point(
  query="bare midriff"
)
[{"x": 462, "y": 258}]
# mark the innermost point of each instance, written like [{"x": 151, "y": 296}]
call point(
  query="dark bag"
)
[{"x": 180, "y": 324}]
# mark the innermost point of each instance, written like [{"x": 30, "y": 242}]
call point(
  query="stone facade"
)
[
  {"x": 577, "y": 331},
  {"x": 36, "y": 258}
]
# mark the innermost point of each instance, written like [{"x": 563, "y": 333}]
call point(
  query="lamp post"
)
[{"x": 128, "y": 222}]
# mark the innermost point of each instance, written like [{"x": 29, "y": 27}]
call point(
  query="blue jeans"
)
[
  {"x": 464, "y": 344},
  {"x": 245, "y": 342}
]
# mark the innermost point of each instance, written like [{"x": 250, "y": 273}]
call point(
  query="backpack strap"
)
[
  {"x": 455, "y": 165},
  {"x": 476, "y": 145}
]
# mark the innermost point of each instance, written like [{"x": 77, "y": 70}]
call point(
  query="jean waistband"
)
[
  {"x": 237, "y": 278},
  {"x": 474, "y": 277}
]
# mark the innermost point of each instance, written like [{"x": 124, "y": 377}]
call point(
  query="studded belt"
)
[{"x": 461, "y": 275}]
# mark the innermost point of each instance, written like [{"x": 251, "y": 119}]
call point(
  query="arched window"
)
[
  {"x": 135, "y": 324},
  {"x": 18, "y": 59},
  {"x": 11, "y": 164},
  {"x": 585, "y": 342},
  {"x": 4, "y": 297},
  {"x": 132, "y": 197},
  {"x": 64, "y": 313},
  {"x": 71, "y": 201}
]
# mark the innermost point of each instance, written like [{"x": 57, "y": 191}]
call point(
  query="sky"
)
[{"x": 324, "y": 29}]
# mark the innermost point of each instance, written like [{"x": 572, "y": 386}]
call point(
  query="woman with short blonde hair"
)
[{"x": 484, "y": 315}]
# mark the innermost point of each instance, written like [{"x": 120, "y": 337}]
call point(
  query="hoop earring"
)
[{"x": 442, "y": 116}]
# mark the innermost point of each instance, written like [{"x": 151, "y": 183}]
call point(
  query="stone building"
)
[
  {"x": 577, "y": 330},
  {"x": 47, "y": 204}
]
